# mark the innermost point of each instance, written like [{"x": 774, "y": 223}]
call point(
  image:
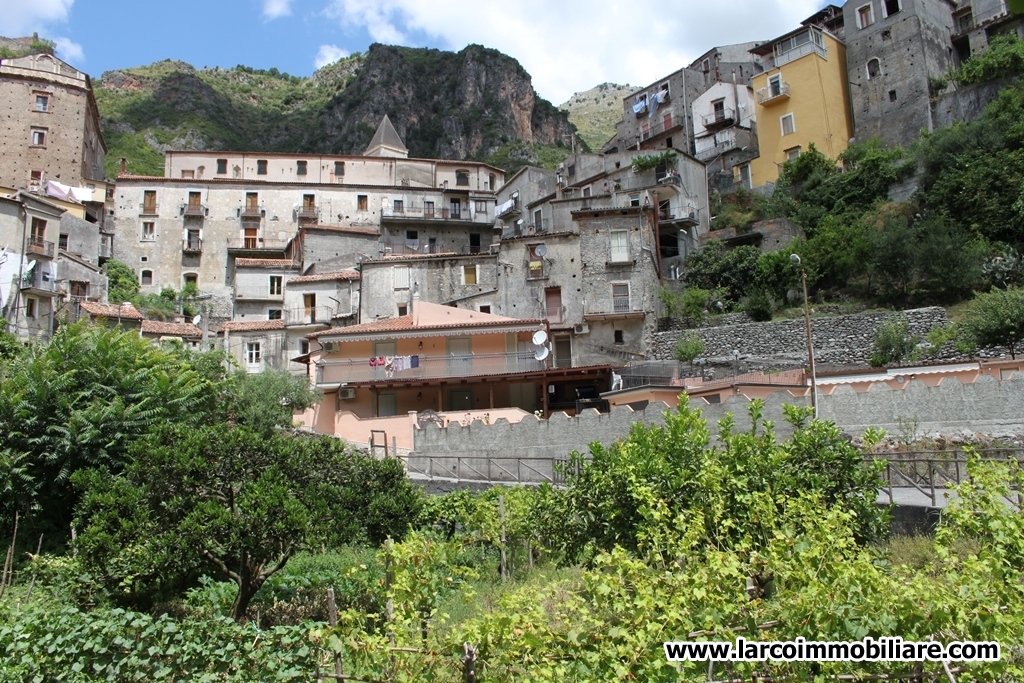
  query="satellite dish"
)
[
  {"x": 541, "y": 250},
  {"x": 539, "y": 337},
  {"x": 196, "y": 320},
  {"x": 542, "y": 353}
]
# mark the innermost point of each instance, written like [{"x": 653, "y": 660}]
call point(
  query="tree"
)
[
  {"x": 122, "y": 285},
  {"x": 237, "y": 501},
  {"x": 997, "y": 318},
  {"x": 268, "y": 400},
  {"x": 688, "y": 349},
  {"x": 893, "y": 342}
]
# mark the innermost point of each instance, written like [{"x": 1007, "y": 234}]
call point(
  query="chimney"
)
[
  {"x": 124, "y": 166},
  {"x": 413, "y": 309}
]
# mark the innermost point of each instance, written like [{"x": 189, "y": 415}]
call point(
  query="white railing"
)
[{"x": 427, "y": 367}]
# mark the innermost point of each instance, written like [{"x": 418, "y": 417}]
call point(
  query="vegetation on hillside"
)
[
  {"x": 597, "y": 111},
  {"x": 11, "y": 50}
]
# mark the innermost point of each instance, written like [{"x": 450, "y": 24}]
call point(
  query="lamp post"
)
[{"x": 795, "y": 259}]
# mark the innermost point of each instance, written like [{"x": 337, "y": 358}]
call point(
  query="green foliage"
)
[
  {"x": 714, "y": 267},
  {"x": 10, "y": 346},
  {"x": 1003, "y": 58},
  {"x": 234, "y": 500},
  {"x": 36, "y": 46},
  {"x": 268, "y": 400},
  {"x": 688, "y": 349},
  {"x": 647, "y": 162},
  {"x": 893, "y": 342},
  {"x": 997, "y": 319},
  {"x": 759, "y": 305},
  {"x": 776, "y": 274},
  {"x": 122, "y": 283},
  {"x": 1004, "y": 268},
  {"x": 935, "y": 341},
  {"x": 671, "y": 303},
  {"x": 696, "y": 302}
]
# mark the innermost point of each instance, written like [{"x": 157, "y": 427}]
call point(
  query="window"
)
[
  {"x": 775, "y": 85},
  {"x": 535, "y": 260},
  {"x": 403, "y": 309},
  {"x": 188, "y": 174},
  {"x": 30, "y": 307},
  {"x": 892, "y": 95},
  {"x": 455, "y": 208},
  {"x": 149, "y": 202},
  {"x": 788, "y": 124},
  {"x": 39, "y": 137},
  {"x": 428, "y": 209},
  {"x": 792, "y": 154},
  {"x": 705, "y": 66},
  {"x": 276, "y": 282},
  {"x": 743, "y": 174},
  {"x": 462, "y": 178},
  {"x": 303, "y": 346},
  {"x": 865, "y": 16},
  {"x": 261, "y": 167},
  {"x": 79, "y": 289},
  {"x": 490, "y": 183},
  {"x": 300, "y": 168},
  {"x": 874, "y": 68},
  {"x": 252, "y": 353},
  {"x": 586, "y": 191},
  {"x": 38, "y": 230},
  {"x": 43, "y": 103},
  {"x": 361, "y": 202},
  {"x": 481, "y": 207},
  {"x": 620, "y": 297},
  {"x": 485, "y": 308},
  {"x": 538, "y": 219},
  {"x": 412, "y": 235},
  {"x": 195, "y": 200},
  {"x": 222, "y": 166},
  {"x": 146, "y": 278},
  {"x": 35, "y": 177},
  {"x": 191, "y": 279},
  {"x": 571, "y": 170},
  {"x": 401, "y": 277},
  {"x": 339, "y": 168},
  {"x": 891, "y": 7},
  {"x": 619, "y": 337},
  {"x": 399, "y": 206},
  {"x": 273, "y": 314},
  {"x": 619, "y": 242},
  {"x": 634, "y": 200},
  {"x": 62, "y": 241},
  {"x": 474, "y": 243},
  {"x": 144, "y": 259},
  {"x": 469, "y": 274}
]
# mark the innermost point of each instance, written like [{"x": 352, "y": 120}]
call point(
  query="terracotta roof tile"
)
[
  {"x": 125, "y": 311},
  {"x": 170, "y": 329},
  {"x": 265, "y": 263},
  {"x": 252, "y": 325},
  {"x": 347, "y": 274},
  {"x": 342, "y": 228}
]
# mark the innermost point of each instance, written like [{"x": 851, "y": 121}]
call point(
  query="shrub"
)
[
  {"x": 759, "y": 306},
  {"x": 893, "y": 342}
]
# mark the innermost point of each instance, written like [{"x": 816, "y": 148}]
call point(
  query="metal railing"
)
[
  {"x": 413, "y": 212},
  {"x": 722, "y": 117},
  {"x": 192, "y": 245},
  {"x": 37, "y": 245},
  {"x": 428, "y": 367},
  {"x": 149, "y": 209},
  {"x": 307, "y": 212},
  {"x": 620, "y": 304},
  {"x": 257, "y": 243},
  {"x": 525, "y": 470},
  {"x": 194, "y": 210},
  {"x": 536, "y": 270},
  {"x": 929, "y": 472},
  {"x": 511, "y": 207},
  {"x": 798, "y": 52},
  {"x": 315, "y": 315},
  {"x": 411, "y": 247},
  {"x": 555, "y": 314},
  {"x": 773, "y": 92},
  {"x": 249, "y": 211},
  {"x": 37, "y": 279}
]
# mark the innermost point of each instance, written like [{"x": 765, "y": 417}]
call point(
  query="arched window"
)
[
  {"x": 146, "y": 277},
  {"x": 874, "y": 68}
]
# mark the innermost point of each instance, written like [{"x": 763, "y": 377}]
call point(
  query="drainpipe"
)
[{"x": 21, "y": 267}]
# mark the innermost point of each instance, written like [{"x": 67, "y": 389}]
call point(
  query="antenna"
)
[
  {"x": 196, "y": 320},
  {"x": 542, "y": 353},
  {"x": 539, "y": 337},
  {"x": 541, "y": 250}
]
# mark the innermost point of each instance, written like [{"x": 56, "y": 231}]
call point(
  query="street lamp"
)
[{"x": 795, "y": 259}]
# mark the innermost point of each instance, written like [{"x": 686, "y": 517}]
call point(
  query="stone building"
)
[
  {"x": 893, "y": 48},
  {"x": 976, "y": 22},
  {"x": 49, "y": 124}
]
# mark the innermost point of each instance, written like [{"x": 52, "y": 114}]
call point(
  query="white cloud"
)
[
  {"x": 69, "y": 51},
  {"x": 328, "y": 54},
  {"x": 576, "y": 44},
  {"x": 274, "y": 9},
  {"x": 22, "y": 17}
]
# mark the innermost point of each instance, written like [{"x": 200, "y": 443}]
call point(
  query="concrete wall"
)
[
  {"x": 83, "y": 237},
  {"x": 966, "y": 103},
  {"x": 441, "y": 280}
]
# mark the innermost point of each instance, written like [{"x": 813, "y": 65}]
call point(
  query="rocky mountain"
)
[
  {"x": 474, "y": 104},
  {"x": 595, "y": 112}
]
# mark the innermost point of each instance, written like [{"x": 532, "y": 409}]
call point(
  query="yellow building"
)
[{"x": 803, "y": 97}]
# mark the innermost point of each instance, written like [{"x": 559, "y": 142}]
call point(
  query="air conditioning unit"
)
[
  {"x": 581, "y": 328},
  {"x": 346, "y": 393}
]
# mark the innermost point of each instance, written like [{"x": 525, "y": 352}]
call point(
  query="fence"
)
[{"x": 929, "y": 472}]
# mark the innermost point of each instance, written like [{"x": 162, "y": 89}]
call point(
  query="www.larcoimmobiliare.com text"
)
[{"x": 883, "y": 649}]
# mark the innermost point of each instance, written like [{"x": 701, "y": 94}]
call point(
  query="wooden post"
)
[
  {"x": 394, "y": 446},
  {"x": 491, "y": 387},
  {"x": 32, "y": 583},
  {"x": 9, "y": 559},
  {"x": 469, "y": 663},
  {"x": 332, "y": 619},
  {"x": 389, "y": 577},
  {"x": 501, "y": 515}
]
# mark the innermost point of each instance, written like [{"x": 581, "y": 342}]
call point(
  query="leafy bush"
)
[
  {"x": 714, "y": 267},
  {"x": 759, "y": 306},
  {"x": 1004, "y": 57},
  {"x": 688, "y": 349},
  {"x": 893, "y": 343},
  {"x": 122, "y": 284},
  {"x": 997, "y": 319}
]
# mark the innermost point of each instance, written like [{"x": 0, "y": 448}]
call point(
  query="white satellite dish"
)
[
  {"x": 542, "y": 353},
  {"x": 539, "y": 337},
  {"x": 541, "y": 250},
  {"x": 196, "y": 320}
]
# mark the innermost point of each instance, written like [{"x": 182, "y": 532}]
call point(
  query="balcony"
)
[
  {"x": 555, "y": 314},
  {"x": 721, "y": 118},
  {"x": 308, "y": 213},
  {"x": 256, "y": 244},
  {"x": 316, "y": 315},
  {"x": 659, "y": 125},
  {"x": 194, "y": 211},
  {"x": 149, "y": 209},
  {"x": 620, "y": 304},
  {"x": 508, "y": 209},
  {"x": 411, "y": 247},
  {"x": 259, "y": 293},
  {"x": 191, "y": 245},
  {"x": 685, "y": 214},
  {"x": 40, "y": 247},
  {"x": 773, "y": 94},
  {"x": 419, "y": 213},
  {"x": 42, "y": 283},
  {"x": 251, "y": 212},
  {"x": 537, "y": 270},
  {"x": 430, "y": 367}
]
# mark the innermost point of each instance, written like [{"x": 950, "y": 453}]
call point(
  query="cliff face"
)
[{"x": 467, "y": 105}]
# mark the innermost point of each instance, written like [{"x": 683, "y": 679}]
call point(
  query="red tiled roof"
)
[
  {"x": 170, "y": 329},
  {"x": 125, "y": 311},
  {"x": 265, "y": 263},
  {"x": 347, "y": 274},
  {"x": 342, "y": 228},
  {"x": 252, "y": 325}
]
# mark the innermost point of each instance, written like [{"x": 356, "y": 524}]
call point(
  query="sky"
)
[{"x": 568, "y": 46}]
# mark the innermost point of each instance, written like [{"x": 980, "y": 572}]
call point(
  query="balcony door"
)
[
  {"x": 383, "y": 349},
  {"x": 387, "y": 404},
  {"x": 553, "y": 301},
  {"x": 459, "y": 359},
  {"x": 456, "y": 208},
  {"x": 460, "y": 399},
  {"x": 251, "y": 238}
]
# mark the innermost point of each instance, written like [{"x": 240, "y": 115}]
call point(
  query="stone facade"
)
[
  {"x": 49, "y": 124},
  {"x": 893, "y": 48}
]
